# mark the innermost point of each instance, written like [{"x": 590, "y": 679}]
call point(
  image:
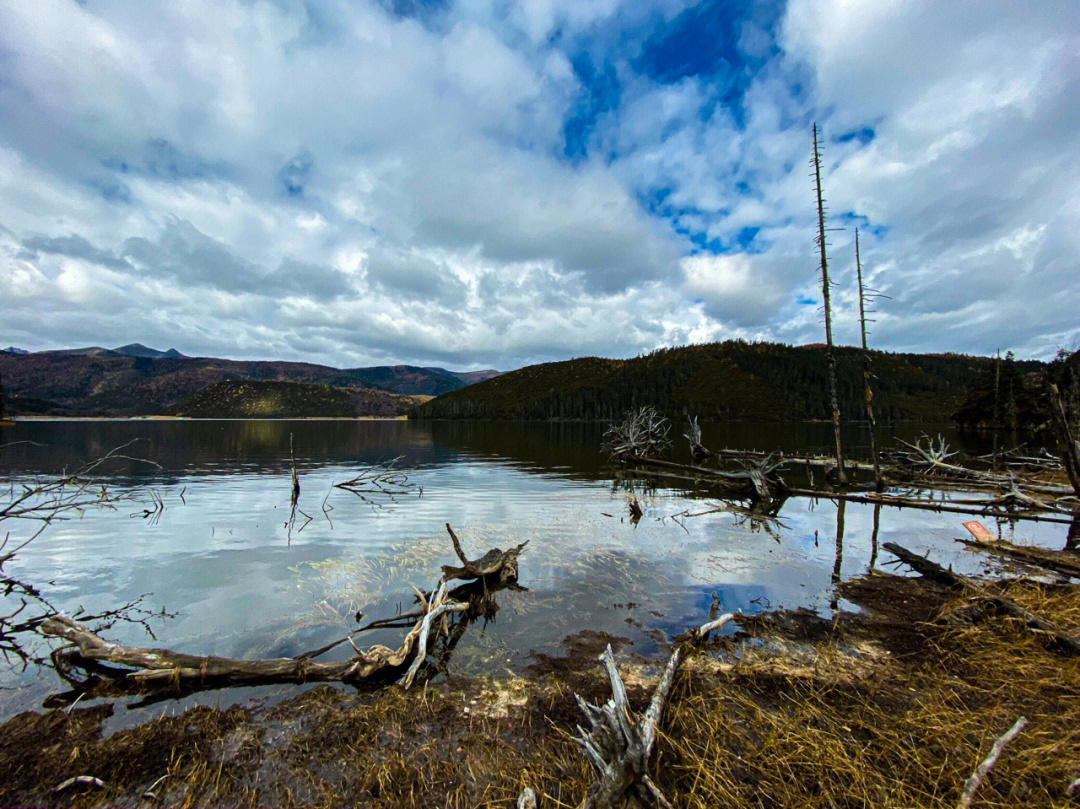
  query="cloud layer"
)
[{"x": 488, "y": 184}]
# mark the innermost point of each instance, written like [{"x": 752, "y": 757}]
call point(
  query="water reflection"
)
[{"x": 219, "y": 552}]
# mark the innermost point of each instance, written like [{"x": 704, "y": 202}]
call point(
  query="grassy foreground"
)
[{"x": 893, "y": 706}]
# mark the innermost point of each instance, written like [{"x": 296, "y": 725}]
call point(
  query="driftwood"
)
[
  {"x": 618, "y": 747},
  {"x": 977, "y": 777},
  {"x": 82, "y": 781},
  {"x": 903, "y": 501},
  {"x": 1028, "y": 556},
  {"x": 698, "y": 634},
  {"x": 1057, "y": 638},
  {"x": 499, "y": 563},
  {"x": 929, "y": 461},
  {"x": 146, "y": 669}
]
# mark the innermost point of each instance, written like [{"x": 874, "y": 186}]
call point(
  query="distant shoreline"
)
[{"x": 31, "y": 419}]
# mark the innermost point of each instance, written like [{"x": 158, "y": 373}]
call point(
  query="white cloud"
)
[{"x": 331, "y": 182}]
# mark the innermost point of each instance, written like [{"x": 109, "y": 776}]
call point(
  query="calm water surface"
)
[{"x": 220, "y": 555}]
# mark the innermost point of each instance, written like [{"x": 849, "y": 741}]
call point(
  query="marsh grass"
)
[{"x": 890, "y": 707}]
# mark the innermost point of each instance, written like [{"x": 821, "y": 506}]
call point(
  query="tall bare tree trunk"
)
[
  {"x": 878, "y": 482},
  {"x": 841, "y": 476}
]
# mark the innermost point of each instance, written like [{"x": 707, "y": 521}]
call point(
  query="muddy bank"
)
[{"x": 892, "y": 706}]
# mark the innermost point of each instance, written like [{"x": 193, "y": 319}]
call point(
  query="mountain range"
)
[{"x": 137, "y": 380}]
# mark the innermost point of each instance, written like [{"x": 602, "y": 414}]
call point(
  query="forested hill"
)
[
  {"x": 731, "y": 380},
  {"x": 275, "y": 399}
]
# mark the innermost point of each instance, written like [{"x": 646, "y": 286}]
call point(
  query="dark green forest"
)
[{"x": 729, "y": 380}]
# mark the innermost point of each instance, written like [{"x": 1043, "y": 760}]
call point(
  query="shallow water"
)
[{"x": 220, "y": 555}]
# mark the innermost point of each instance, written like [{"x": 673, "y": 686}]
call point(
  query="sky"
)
[{"x": 481, "y": 184}]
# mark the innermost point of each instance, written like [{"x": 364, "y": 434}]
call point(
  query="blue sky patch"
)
[
  {"x": 294, "y": 174},
  {"x": 863, "y": 135},
  {"x": 601, "y": 93}
]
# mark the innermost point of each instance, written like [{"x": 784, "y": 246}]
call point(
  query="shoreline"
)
[{"x": 890, "y": 706}]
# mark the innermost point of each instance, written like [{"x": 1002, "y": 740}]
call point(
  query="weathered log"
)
[
  {"x": 152, "y": 668},
  {"x": 1026, "y": 555},
  {"x": 436, "y": 608},
  {"x": 496, "y": 562},
  {"x": 900, "y": 501},
  {"x": 619, "y": 748},
  {"x": 698, "y": 634},
  {"x": 925, "y": 568},
  {"x": 1057, "y": 638}
]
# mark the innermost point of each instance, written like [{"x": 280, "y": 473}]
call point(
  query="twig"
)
[{"x": 977, "y": 777}]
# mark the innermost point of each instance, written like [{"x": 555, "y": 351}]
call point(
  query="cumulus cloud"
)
[{"x": 471, "y": 183}]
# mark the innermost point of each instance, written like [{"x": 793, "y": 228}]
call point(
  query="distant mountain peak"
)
[
  {"x": 139, "y": 350},
  {"x": 14, "y": 350}
]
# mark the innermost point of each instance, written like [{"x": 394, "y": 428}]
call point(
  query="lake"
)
[{"x": 220, "y": 555}]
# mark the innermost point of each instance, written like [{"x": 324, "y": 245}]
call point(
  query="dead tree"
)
[
  {"x": 878, "y": 482},
  {"x": 128, "y": 669},
  {"x": 642, "y": 434},
  {"x": 294, "y": 498},
  {"x": 1068, "y": 447},
  {"x": 698, "y": 452},
  {"x": 40, "y": 503},
  {"x": 620, "y": 747},
  {"x": 834, "y": 401}
]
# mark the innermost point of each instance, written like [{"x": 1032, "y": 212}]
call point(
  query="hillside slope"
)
[
  {"x": 103, "y": 382},
  {"x": 275, "y": 399},
  {"x": 731, "y": 380}
]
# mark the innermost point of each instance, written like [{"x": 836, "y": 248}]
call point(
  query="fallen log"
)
[
  {"x": 1057, "y": 638},
  {"x": 141, "y": 669},
  {"x": 900, "y": 501},
  {"x": 1028, "y": 556}
]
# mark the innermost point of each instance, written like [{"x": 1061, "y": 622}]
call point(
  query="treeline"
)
[
  {"x": 719, "y": 381},
  {"x": 1010, "y": 395}
]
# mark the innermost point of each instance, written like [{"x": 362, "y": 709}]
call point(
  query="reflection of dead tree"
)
[
  {"x": 643, "y": 433},
  {"x": 46, "y": 501},
  {"x": 745, "y": 516},
  {"x": 112, "y": 668},
  {"x": 152, "y": 513}
]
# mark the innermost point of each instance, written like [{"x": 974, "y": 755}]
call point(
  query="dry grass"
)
[
  {"x": 902, "y": 730},
  {"x": 890, "y": 708}
]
